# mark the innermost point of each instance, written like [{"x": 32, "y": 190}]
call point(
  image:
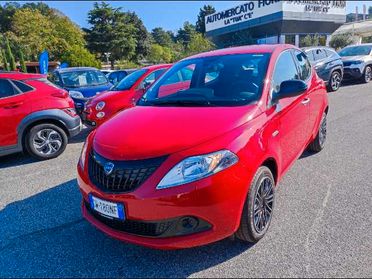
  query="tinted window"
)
[
  {"x": 83, "y": 78},
  {"x": 330, "y": 52},
  {"x": 303, "y": 64},
  {"x": 22, "y": 86},
  {"x": 310, "y": 55},
  {"x": 285, "y": 69},
  {"x": 127, "y": 82},
  {"x": 226, "y": 80},
  {"x": 356, "y": 50},
  {"x": 6, "y": 88},
  {"x": 150, "y": 79},
  {"x": 320, "y": 54}
]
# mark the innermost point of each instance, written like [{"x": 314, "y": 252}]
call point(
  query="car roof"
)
[
  {"x": 20, "y": 76},
  {"x": 157, "y": 66},
  {"x": 74, "y": 69},
  {"x": 317, "y": 47},
  {"x": 243, "y": 50}
]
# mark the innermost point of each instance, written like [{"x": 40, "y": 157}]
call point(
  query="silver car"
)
[{"x": 357, "y": 61}]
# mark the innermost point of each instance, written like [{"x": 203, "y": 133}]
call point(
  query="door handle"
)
[
  {"x": 13, "y": 105},
  {"x": 305, "y": 101}
]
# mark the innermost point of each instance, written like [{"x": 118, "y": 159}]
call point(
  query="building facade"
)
[{"x": 275, "y": 21}]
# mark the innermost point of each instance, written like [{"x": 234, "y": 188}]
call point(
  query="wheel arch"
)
[
  {"x": 40, "y": 117},
  {"x": 272, "y": 165}
]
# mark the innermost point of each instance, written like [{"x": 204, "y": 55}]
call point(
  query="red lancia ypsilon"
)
[{"x": 198, "y": 158}]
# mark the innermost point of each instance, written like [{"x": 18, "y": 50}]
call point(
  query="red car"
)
[
  {"x": 35, "y": 116},
  {"x": 122, "y": 96},
  {"x": 195, "y": 162}
]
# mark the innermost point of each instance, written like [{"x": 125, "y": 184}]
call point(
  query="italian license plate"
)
[{"x": 106, "y": 208}]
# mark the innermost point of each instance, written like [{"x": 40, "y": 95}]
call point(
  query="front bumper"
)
[{"x": 210, "y": 200}]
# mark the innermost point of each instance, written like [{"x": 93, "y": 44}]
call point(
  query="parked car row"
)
[{"x": 351, "y": 63}]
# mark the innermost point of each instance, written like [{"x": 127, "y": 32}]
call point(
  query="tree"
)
[
  {"x": 6, "y": 14},
  {"x": 310, "y": 40},
  {"x": 184, "y": 34},
  {"x": 111, "y": 33},
  {"x": 198, "y": 44},
  {"x": 200, "y": 23},
  {"x": 22, "y": 62},
  {"x": 341, "y": 41},
  {"x": 5, "y": 61},
  {"x": 141, "y": 35},
  {"x": 159, "y": 54},
  {"x": 78, "y": 56},
  {"x": 162, "y": 37},
  {"x": 9, "y": 55}
]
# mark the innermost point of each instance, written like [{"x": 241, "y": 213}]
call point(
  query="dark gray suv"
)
[{"x": 328, "y": 65}]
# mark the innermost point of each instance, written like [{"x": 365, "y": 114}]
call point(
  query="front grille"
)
[
  {"x": 126, "y": 176},
  {"x": 149, "y": 229}
]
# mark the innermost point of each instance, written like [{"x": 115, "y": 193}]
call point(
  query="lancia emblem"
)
[{"x": 108, "y": 168}]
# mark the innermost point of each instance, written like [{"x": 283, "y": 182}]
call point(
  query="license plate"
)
[{"x": 106, "y": 208}]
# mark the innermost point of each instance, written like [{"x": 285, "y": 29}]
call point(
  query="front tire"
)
[
  {"x": 334, "y": 82},
  {"x": 318, "y": 143},
  {"x": 46, "y": 141},
  {"x": 258, "y": 207},
  {"x": 367, "y": 75}
]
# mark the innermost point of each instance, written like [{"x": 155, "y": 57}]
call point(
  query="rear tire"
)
[
  {"x": 334, "y": 82},
  {"x": 46, "y": 141},
  {"x": 318, "y": 143},
  {"x": 367, "y": 75},
  {"x": 258, "y": 207}
]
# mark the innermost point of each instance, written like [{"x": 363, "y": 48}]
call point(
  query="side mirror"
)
[{"x": 290, "y": 88}]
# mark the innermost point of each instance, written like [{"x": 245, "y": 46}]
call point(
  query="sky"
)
[{"x": 167, "y": 14}]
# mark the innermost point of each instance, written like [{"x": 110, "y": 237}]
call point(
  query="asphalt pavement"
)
[{"x": 322, "y": 224}]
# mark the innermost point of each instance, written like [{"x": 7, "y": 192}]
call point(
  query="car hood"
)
[
  {"x": 147, "y": 132},
  {"x": 354, "y": 58},
  {"x": 91, "y": 90}
]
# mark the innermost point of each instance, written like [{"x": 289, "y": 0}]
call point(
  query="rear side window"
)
[
  {"x": 285, "y": 69},
  {"x": 310, "y": 55},
  {"x": 22, "y": 86},
  {"x": 303, "y": 65},
  {"x": 6, "y": 89},
  {"x": 320, "y": 54}
]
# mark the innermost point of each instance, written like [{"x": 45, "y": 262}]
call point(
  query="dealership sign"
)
[{"x": 257, "y": 9}]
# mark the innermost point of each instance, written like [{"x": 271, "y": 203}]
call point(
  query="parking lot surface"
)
[{"x": 321, "y": 226}]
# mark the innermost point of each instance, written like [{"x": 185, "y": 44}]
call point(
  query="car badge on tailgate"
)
[{"x": 108, "y": 168}]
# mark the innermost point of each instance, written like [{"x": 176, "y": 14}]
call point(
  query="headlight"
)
[
  {"x": 76, "y": 94},
  {"x": 197, "y": 167},
  {"x": 83, "y": 155},
  {"x": 100, "y": 106}
]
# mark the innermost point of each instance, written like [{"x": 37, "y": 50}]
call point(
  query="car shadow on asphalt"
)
[
  {"x": 45, "y": 236},
  {"x": 16, "y": 159},
  {"x": 81, "y": 137}
]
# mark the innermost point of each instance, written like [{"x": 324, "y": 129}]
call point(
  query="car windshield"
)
[
  {"x": 83, "y": 78},
  {"x": 356, "y": 50},
  {"x": 226, "y": 80},
  {"x": 127, "y": 82}
]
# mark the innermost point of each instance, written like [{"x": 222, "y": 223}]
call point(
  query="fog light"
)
[
  {"x": 189, "y": 223},
  {"x": 101, "y": 114}
]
